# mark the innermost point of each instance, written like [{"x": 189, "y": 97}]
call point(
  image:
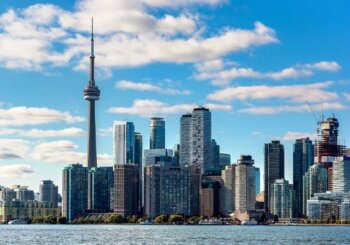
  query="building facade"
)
[
  {"x": 273, "y": 166},
  {"x": 303, "y": 158},
  {"x": 171, "y": 190},
  {"x": 48, "y": 192},
  {"x": 245, "y": 184},
  {"x": 123, "y": 142},
  {"x": 341, "y": 174},
  {"x": 215, "y": 155},
  {"x": 126, "y": 189},
  {"x": 74, "y": 191},
  {"x": 228, "y": 177},
  {"x": 281, "y": 198},
  {"x": 157, "y": 133},
  {"x": 101, "y": 182},
  {"x": 185, "y": 140}
]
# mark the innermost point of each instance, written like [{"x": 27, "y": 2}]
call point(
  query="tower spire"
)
[{"x": 92, "y": 56}]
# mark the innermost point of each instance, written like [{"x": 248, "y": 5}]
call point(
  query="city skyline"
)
[{"x": 37, "y": 141}]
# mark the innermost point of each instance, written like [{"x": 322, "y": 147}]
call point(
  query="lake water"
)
[{"x": 171, "y": 234}]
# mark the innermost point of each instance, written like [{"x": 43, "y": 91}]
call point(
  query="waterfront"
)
[{"x": 170, "y": 234}]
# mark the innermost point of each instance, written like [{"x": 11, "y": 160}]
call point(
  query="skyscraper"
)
[
  {"x": 303, "y": 158},
  {"x": 215, "y": 155},
  {"x": 138, "y": 162},
  {"x": 126, "y": 189},
  {"x": 257, "y": 180},
  {"x": 245, "y": 184},
  {"x": 195, "y": 138},
  {"x": 48, "y": 192},
  {"x": 170, "y": 190},
  {"x": 101, "y": 181},
  {"x": 273, "y": 166},
  {"x": 92, "y": 93},
  {"x": 74, "y": 191},
  {"x": 228, "y": 177},
  {"x": 185, "y": 139},
  {"x": 157, "y": 133},
  {"x": 225, "y": 159},
  {"x": 341, "y": 174},
  {"x": 123, "y": 142},
  {"x": 281, "y": 198}
]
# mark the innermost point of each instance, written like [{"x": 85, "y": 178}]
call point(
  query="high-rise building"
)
[
  {"x": 257, "y": 180},
  {"x": 171, "y": 190},
  {"x": 138, "y": 162},
  {"x": 176, "y": 150},
  {"x": 225, "y": 159},
  {"x": 91, "y": 94},
  {"x": 23, "y": 193},
  {"x": 157, "y": 133},
  {"x": 101, "y": 181},
  {"x": 7, "y": 194},
  {"x": 195, "y": 139},
  {"x": 124, "y": 142},
  {"x": 228, "y": 177},
  {"x": 48, "y": 192},
  {"x": 163, "y": 157},
  {"x": 210, "y": 198},
  {"x": 215, "y": 155},
  {"x": 273, "y": 167},
  {"x": 126, "y": 189},
  {"x": 303, "y": 158},
  {"x": 281, "y": 198},
  {"x": 341, "y": 174},
  {"x": 327, "y": 147},
  {"x": 245, "y": 184},
  {"x": 314, "y": 181},
  {"x": 74, "y": 191},
  {"x": 185, "y": 139}
]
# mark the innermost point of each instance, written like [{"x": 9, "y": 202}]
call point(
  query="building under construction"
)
[{"x": 327, "y": 145}]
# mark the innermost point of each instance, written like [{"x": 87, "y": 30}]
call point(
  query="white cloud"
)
[
  {"x": 149, "y": 108},
  {"x": 347, "y": 96},
  {"x": 63, "y": 151},
  {"x": 223, "y": 76},
  {"x": 13, "y": 148},
  {"x": 20, "y": 116},
  {"x": 296, "y": 93},
  {"x": 269, "y": 110},
  {"x": 290, "y": 136},
  {"x": 67, "y": 132},
  {"x": 176, "y": 3},
  {"x": 105, "y": 131},
  {"x": 16, "y": 171},
  {"x": 127, "y": 34},
  {"x": 150, "y": 87}
]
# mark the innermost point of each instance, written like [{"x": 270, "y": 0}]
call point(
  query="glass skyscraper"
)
[
  {"x": 273, "y": 166},
  {"x": 195, "y": 139},
  {"x": 48, "y": 192},
  {"x": 303, "y": 158},
  {"x": 124, "y": 142},
  {"x": 157, "y": 133}
]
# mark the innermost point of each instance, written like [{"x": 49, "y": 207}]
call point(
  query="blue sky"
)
[{"x": 253, "y": 63}]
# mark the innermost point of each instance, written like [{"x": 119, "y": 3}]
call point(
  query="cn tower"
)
[{"x": 92, "y": 93}]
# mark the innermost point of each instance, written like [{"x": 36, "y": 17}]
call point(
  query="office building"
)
[
  {"x": 163, "y": 157},
  {"x": 225, "y": 159},
  {"x": 281, "y": 198},
  {"x": 341, "y": 174},
  {"x": 101, "y": 182},
  {"x": 74, "y": 191},
  {"x": 314, "y": 181},
  {"x": 124, "y": 142},
  {"x": 48, "y": 192},
  {"x": 195, "y": 139},
  {"x": 257, "y": 180},
  {"x": 169, "y": 190},
  {"x": 215, "y": 155},
  {"x": 273, "y": 167},
  {"x": 126, "y": 189},
  {"x": 345, "y": 211},
  {"x": 228, "y": 177},
  {"x": 91, "y": 94},
  {"x": 303, "y": 158},
  {"x": 7, "y": 194},
  {"x": 185, "y": 140},
  {"x": 210, "y": 198},
  {"x": 23, "y": 193},
  {"x": 138, "y": 162},
  {"x": 245, "y": 184},
  {"x": 157, "y": 133},
  {"x": 176, "y": 150}
]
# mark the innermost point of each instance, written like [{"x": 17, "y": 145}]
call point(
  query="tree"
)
[
  {"x": 115, "y": 219},
  {"x": 38, "y": 220},
  {"x": 132, "y": 219},
  {"x": 161, "y": 219},
  {"x": 175, "y": 218},
  {"x": 50, "y": 220},
  {"x": 194, "y": 219}
]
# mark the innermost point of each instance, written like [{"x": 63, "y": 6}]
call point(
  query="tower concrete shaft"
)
[{"x": 92, "y": 93}]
